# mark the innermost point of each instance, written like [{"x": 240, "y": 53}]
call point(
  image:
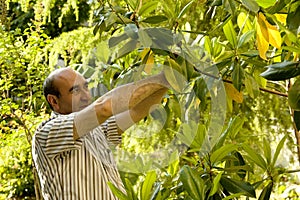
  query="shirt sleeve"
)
[
  {"x": 110, "y": 129},
  {"x": 56, "y": 136}
]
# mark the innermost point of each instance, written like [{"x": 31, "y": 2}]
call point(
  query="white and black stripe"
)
[{"x": 69, "y": 169}]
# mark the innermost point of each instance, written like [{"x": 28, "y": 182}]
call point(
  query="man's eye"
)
[{"x": 75, "y": 90}]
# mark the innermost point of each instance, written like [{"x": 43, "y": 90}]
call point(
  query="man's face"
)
[{"x": 74, "y": 92}]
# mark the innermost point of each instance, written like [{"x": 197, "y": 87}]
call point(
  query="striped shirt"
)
[{"x": 80, "y": 169}]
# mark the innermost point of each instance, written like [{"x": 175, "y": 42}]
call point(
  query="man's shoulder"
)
[{"x": 55, "y": 118}]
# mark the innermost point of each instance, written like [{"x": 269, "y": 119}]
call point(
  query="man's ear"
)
[{"x": 53, "y": 101}]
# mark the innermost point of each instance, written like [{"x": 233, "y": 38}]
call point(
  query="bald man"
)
[{"x": 71, "y": 150}]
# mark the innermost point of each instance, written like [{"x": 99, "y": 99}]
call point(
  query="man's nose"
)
[{"x": 85, "y": 94}]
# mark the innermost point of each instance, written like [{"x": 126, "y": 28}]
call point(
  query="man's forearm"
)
[
  {"x": 118, "y": 100},
  {"x": 127, "y": 96}
]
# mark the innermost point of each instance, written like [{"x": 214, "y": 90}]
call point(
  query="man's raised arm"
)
[{"x": 119, "y": 100}]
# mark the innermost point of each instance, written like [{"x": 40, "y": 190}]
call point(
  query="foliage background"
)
[{"x": 243, "y": 38}]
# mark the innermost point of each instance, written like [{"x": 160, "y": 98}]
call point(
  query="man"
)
[{"x": 71, "y": 150}]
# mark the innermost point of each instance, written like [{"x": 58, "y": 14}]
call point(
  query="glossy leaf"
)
[
  {"x": 237, "y": 76},
  {"x": 230, "y": 33},
  {"x": 281, "y": 71},
  {"x": 238, "y": 186},
  {"x": 192, "y": 182},
  {"x": 222, "y": 152}
]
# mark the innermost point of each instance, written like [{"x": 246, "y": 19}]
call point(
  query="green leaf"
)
[
  {"x": 192, "y": 182},
  {"x": 230, "y": 33},
  {"x": 113, "y": 41},
  {"x": 184, "y": 9},
  {"x": 266, "y": 193},
  {"x": 297, "y": 119},
  {"x": 251, "y": 5},
  {"x": 127, "y": 48},
  {"x": 155, "y": 19},
  {"x": 278, "y": 149},
  {"x": 147, "y": 185},
  {"x": 230, "y": 6},
  {"x": 281, "y": 71},
  {"x": 216, "y": 183},
  {"x": 293, "y": 21},
  {"x": 130, "y": 190},
  {"x": 245, "y": 38},
  {"x": 144, "y": 38},
  {"x": 266, "y": 3},
  {"x": 131, "y": 30},
  {"x": 255, "y": 157},
  {"x": 237, "y": 76},
  {"x": 294, "y": 95},
  {"x": 222, "y": 152},
  {"x": 237, "y": 186},
  {"x": 148, "y": 7},
  {"x": 279, "y": 5},
  {"x": 267, "y": 151},
  {"x": 117, "y": 192}
]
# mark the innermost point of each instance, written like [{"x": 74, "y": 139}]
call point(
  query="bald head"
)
[{"x": 67, "y": 87}]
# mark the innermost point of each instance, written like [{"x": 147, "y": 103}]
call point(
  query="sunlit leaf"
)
[
  {"x": 230, "y": 33},
  {"x": 148, "y": 7},
  {"x": 117, "y": 192},
  {"x": 244, "y": 23},
  {"x": 266, "y": 3},
  {"x": 262, "y": 37},
  {"x": 278, "y": 149},
  {"x": 233, "y": 93},
  {"x": 147, "y": 185}
]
